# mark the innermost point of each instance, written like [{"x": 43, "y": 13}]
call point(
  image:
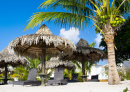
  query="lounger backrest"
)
[
  {"x": 32, "y": 74},
  {"x": 59, "y": 73},
  {"x": 75, "y": 77},
  {"x": 94, "y": 77}
]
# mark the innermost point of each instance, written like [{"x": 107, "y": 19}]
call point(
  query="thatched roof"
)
[
  {"x": 55, "y": 62},
  {"x": 84, "y": 51},
  {"x": 10, "y": 69},
  {"x": 32, "y": 45},
  {"x": 8, "y": 57}
]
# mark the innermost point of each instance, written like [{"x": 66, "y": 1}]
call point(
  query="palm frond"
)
[
  {"x": 62, "y": 18},
  {"x": 92, "y": 44},
  {"x": 77, "y": 64},
  {"x": 108, "y": 7},
  {"x": 47, "y": 3},
  {"x": 98, "y": 10},
  {"x": 119, "y": 7}
]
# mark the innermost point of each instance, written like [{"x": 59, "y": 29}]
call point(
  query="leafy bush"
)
[
  {"x": 125, "y": 90},
  {"x": 21, "y": 73},
  {"x": 127, "y": 74}
]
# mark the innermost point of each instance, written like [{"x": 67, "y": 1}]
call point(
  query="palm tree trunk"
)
[{"x": 113, "y": 77}]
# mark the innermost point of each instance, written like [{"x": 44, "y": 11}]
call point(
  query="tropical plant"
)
[
  {"x": 125, "y": 90},
  {"x": 33, "y": 62},
  {"x": 21, "y": 73},
  {"x": 106, "y": 15},
  {"x": 122, "y": 42},
  {"x": 68, "y": 73},
  {"x": 89, "y": 64},
  {"x": 127, "y": 73}
]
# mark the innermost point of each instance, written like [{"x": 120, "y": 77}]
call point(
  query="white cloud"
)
[
  {"x": 98, "y": 40},
  {"x": 71, "y": 34}
]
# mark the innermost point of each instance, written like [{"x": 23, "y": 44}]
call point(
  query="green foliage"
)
[
  {"x": 127, "y": 73},
  {"x": 33, "y": 62},
  {"x": 80, "y": 79},
  {"x": 21, "y": 73},
  {"x": 68, "y": 73},
  {"x": 80, "y": 74},
  {"x": 92, "y": 44},
  {"x": 124, "y": 72},
  {"x": 122, "y": 43},
  {"x": 121, "y": 73},
  {"x": 88, "y": 65},
  {"x": 125, "y": 90}
]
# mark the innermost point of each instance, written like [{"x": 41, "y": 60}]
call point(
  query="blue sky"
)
[{"x": 15, "y": 13}]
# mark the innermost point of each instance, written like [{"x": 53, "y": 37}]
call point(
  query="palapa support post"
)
[
  {"x": 43, "y": 59},
  {"x": 5, "y": 79},
  {"x": 43, "y": 78},
  {"x": 83, "y": 69}
]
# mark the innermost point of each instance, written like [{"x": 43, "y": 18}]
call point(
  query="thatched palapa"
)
[
  {"x": 8, "y": 57},
  {"x": 42, "y": 43},
  {"x": 84, "y": 52},
  {"x": 32, "y": 45},
  {"x": 55, "y": 62},
  {"x": 9, "y": 69}
]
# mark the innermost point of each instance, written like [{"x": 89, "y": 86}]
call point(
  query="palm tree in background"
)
[
  {"x": 33, "y": 62},
  {"x": 87, "y": 65},
  {"x": 106, "y": 16}
]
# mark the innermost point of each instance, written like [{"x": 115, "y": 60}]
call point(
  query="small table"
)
[
  {"x": 83, "y": 77},
  {"x": 5, "y": 80},
  {"x": 43, "y": 78}
]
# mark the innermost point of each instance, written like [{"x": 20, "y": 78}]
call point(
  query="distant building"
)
[{"x": 98, "y": 70}]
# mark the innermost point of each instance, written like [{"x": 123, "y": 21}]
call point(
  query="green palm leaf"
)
[{"x": 59, "y": 17}]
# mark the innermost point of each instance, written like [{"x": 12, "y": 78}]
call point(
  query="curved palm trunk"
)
[{"x": 113, "y": 77}]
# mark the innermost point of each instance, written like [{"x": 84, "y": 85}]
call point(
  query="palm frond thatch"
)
[
  {"x": 84, "y": 51},
  {"x": 55, "y": 62},
  {"x": 32, "y": 45},
  {"x": 8, "y": 57}
]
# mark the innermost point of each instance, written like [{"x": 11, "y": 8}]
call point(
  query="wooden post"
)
[
  {"x": 83, "y": 69},
  {"x": 43, "y": 60},
  {"x": 43, "y": 63},
  {"x": 5, "y": 79}
]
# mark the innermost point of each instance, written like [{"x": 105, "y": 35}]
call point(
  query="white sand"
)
[{"x": 70, "y": 87}]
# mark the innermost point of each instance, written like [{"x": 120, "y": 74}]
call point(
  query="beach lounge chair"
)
[
  {"x": 31, "y": 78},
  {"x": 94, "y": 78},
  {"x": 58, "y": 77},
  {"x": 74, "y": 78}
]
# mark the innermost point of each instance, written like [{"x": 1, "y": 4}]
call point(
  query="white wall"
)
[{"x": 98, "y": 70}]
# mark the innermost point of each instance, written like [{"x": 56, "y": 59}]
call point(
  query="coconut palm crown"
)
[{"x": 106, "y": 15}]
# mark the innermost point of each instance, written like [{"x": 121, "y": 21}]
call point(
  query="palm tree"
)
[
  {"x": 106, "y": 15},
  {"x": 33, "y": 62}
]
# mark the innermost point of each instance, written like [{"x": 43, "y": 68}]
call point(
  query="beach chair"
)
[
  {"x": 94, "y": 78},
  {"x": 31, "y": 78},
  {"x": 58, "y": 77},
  {"x": 74, "y": 78}
]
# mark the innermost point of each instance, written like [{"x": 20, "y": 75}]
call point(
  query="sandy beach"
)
[{"x": 70, "y": 87}]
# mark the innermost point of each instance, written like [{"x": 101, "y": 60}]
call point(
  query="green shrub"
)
[
  {"x": 127, "y": 74},
  {"x": 125, "y": 90},
  {"x": 80, "y": 79}
]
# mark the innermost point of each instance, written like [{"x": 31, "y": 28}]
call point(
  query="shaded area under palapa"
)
[
  {"x": 85, "y": 53},
  {"x": 42, "y": 43},
  {"x": 8, "y": 57}
]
